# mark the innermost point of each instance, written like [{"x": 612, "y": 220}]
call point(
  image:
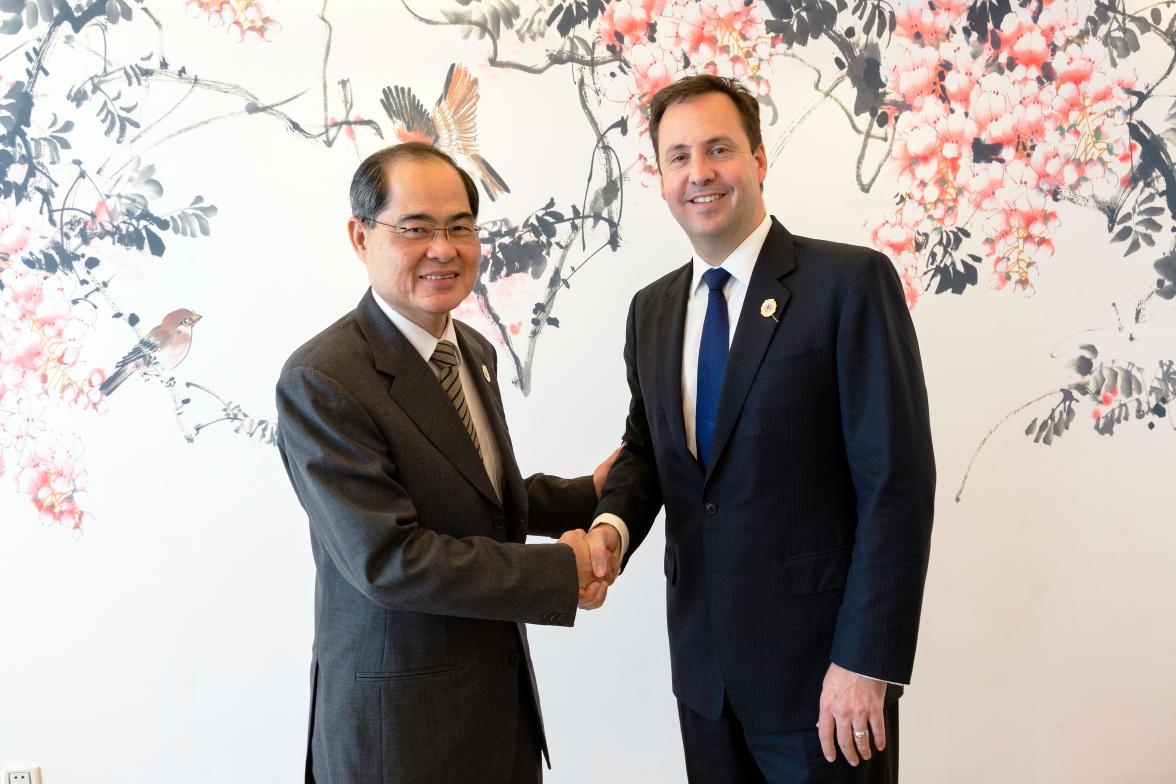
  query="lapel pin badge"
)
[
  {"x": 486, "y": 375},
  {"x": 768, "y": 308}
]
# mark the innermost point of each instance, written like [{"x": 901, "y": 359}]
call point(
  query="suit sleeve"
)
[
  {"x": 555, "y": 505},
  {"x": 887, "y": 432},
  {"x": 338, "y": 462},
  {"x": 633, "y": 489}
]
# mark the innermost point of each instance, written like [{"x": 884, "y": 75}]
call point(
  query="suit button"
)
[
  {"x": 710, "y": 508},
  {"x": 499, "y": 523},
  {"x": 549, "y": 617},
  {"x": 514, "y": 660}
]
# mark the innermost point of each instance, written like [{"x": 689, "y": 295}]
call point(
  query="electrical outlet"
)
[{"x": 24, "y": 775}]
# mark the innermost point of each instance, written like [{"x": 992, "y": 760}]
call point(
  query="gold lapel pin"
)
[
  {"x": 486, "y": 375},
  {"x": 768, "y": 308}
]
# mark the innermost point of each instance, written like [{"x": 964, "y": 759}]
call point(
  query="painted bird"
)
[
  {"x": 451, "y": 127},
  {"x": 164, "y": 347}
]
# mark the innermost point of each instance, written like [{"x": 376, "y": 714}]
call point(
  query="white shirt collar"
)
[
  {"x": 418, "y": 336},
  {"x": 741, "y": 261}
]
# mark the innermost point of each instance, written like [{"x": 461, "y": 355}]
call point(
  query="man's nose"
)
[
  {"x": 701, "y": 170},
  {"x": 440, "y": 247}
]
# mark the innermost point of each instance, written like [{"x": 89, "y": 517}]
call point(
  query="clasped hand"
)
[{"x": 598, "y": 561}]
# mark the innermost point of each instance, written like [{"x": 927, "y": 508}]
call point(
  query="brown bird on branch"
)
[
  {"x": 451, "y": 127},
  {"x": 161, "y": 350}
]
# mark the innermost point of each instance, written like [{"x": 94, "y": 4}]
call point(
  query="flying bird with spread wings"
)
[
  {"x": 451, "y": 127},
  {"x": 164, "y": 347}
]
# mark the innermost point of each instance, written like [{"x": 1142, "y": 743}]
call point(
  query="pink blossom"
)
[{"x": 627, "y": 22}]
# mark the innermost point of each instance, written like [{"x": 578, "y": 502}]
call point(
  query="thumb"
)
[{"x": 599, "y": 558}]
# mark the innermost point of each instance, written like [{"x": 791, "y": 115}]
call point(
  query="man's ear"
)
[
  {"x": 761, "y": 164},
  {"x": 357, "y": 232}
]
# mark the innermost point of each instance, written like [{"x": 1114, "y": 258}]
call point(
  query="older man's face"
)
[{"x": 422, "y": 280}]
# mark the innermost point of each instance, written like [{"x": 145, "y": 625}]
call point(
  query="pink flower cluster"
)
[
  {"x": 1042, "y": 104},
  {"x": 41, "y": 334},
  {"x": 241, "y": 19},
  {"x": 52, "y": 479},
  {"x": 656, "y": 38}
]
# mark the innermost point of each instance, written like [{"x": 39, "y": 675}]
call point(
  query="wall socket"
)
[{"x": 23, "y": 775}]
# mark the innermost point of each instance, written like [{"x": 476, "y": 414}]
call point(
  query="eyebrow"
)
[{"x": 424, "y": 216}]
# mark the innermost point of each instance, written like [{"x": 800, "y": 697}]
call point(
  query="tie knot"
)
[
  {"x": 716, "y": 278},
  {"x": 445, "y": 354}
]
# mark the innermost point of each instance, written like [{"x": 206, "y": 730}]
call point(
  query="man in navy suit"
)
[{"x": 780, "y": 415}]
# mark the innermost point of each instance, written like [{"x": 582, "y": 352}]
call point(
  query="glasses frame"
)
[{"x": 400, "y": 230}]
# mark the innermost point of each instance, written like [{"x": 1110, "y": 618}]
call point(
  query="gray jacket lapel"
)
[
  {"x": 414, "y": 388},
  {"x": 477, "y": 363}
]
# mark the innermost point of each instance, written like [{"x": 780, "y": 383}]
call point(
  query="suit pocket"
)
[
  {"x": 817, "y": 572},
  {"x": 670, "y": 567},
  {"x": 797, "y": 363},
  {"x": 415, "y": 645},
  {"x": 422, "y": 672}
]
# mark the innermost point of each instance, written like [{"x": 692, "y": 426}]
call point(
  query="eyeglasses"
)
[{"x": 457, "y": 234}]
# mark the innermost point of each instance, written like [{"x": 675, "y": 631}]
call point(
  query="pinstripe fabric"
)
[{"x": 444, "y": 362}]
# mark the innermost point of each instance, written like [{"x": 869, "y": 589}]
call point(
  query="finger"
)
[
  {"x": 825, "y": 733},
  {"x": 878, "y": 728},
  {"x": 861, "y": 740},
  {"x": 592, "y": 597},
  {"x": 600, "y": 557},
  {"x": 845, "y": 741}
]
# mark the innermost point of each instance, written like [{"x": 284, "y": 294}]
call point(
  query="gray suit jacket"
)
[{"x": 423, "y": 581}]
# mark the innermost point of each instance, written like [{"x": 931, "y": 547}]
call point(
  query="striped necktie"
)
[{"x": 444, "y": 362}]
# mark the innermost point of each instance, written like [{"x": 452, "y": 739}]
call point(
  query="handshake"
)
[{"x": 598, "y": 561}]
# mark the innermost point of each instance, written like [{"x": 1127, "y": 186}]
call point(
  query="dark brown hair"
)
[
  {"x": 700, "y": 84},
  {"x": 369, "y": 184}
]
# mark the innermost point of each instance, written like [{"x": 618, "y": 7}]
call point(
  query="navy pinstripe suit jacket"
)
[{"x": 807, "y": 539}]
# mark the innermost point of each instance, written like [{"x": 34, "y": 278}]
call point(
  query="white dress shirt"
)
[{"x": 426, "y": 344}]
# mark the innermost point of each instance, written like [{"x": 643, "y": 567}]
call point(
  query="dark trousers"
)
[{"x": 721, "y": 751}]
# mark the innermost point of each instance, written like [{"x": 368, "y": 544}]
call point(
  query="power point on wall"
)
[{"x": 24, "y": 775}]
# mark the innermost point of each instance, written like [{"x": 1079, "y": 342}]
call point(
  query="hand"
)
[
  {"x": 601, "y": 472},
  {"x": 592, "y": 591},
  {"x": 604, "y": 542},
  {"x": 851, "y": 703}
]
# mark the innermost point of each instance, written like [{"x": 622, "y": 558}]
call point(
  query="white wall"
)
[{"x": 169, "y": 638}]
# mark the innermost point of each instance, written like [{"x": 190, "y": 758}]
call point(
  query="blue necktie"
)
[{"x": 712, "y": 358}]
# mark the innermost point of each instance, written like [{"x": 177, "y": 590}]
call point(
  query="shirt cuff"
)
[
  {"x": 870, "y": 678},
  {"x": 617, "y": 523}
]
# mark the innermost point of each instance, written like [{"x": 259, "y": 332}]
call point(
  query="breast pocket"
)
[{"x": 806, "y": 362}]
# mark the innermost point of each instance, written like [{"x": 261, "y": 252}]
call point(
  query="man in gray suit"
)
[{"x": 392, "y": 431}]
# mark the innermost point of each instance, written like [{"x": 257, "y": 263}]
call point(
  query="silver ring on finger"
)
[{"x": 860, "y": 735}]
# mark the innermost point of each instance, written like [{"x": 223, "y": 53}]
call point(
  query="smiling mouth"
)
[
  {"x": 708, "y": 198},
  {"x": 439, "y": 276}
]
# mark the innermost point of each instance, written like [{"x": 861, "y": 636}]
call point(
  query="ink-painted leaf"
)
[
  {"x": 133, "y": 319},
  {"x": 1032, "y": 426},
  {"x": 1122, "y": 234},
  {"x": 154, "y": 242},
  {"x": 1134, "y": 246},
  {"x": 1152, "y": 211},
  {"x": 1124, "y": 218},
  {"x": 1155, "y": 16}
]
